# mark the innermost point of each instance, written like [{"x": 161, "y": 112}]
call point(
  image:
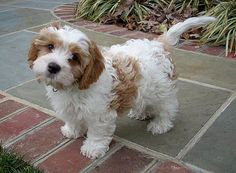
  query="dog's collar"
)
[{"x": 54, "y": 89}]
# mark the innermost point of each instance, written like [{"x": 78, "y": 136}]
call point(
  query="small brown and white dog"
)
[{"x": 89, "y": 87}]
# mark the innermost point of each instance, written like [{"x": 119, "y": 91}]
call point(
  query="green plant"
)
[
  {"x": 12, "y": 163},
  {"x": 197, "y": 5},
  {"x": 96, "y": 10},
  {"x": 223, "y": 31}
]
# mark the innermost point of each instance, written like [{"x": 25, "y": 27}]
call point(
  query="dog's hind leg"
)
[
  {"x": 139, "y": 112},
  {"x": 169, "y": 107}
]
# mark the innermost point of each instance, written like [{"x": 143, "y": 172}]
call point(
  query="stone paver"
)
[
  {"x": 216, "y": 50},
  {"x": 21, "y": 18},
  {"x": 39, "y": 142},
  {"x": 35, "y": 4},
  {"x": 9, "y": 106},
  {"x": 216, "y": 150},
  {"x": 67, "y": 160},
  {"x": 206, "y": 68},
  {"x": 171, "y": 167},
  {"x": 191, "y": 46},
  {"x": 19, "y": 123},
  {"x": 124, "y": 160},
  {"x": 32, "y": 92},
  {"x": 5, "y": 8},
  {"x": 14, "y": 50},
  {"x": 7, "y": 2},
  {"x": 231, "y": 55},
  {"x": 197, "y": 104}
]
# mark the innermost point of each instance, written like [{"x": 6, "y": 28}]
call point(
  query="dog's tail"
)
[{"x": 172, "y": 36}]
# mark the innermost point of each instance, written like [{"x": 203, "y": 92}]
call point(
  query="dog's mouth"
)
[{"x": 50, "y": 80}]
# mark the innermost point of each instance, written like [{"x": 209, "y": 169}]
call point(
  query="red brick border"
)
[
  {"x": 124, "y": 160},
  {"x": 68, "y": 159},
  {"x": 41, "y": 141},
  {"x": 67, "y": 12},
  {"x": 9, "y": 106},
  {"x": 171, "y": 167},
  {"x": 20, "y": 123}
]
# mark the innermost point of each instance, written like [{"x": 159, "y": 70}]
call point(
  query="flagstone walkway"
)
[{"x": 203, "y": 139}]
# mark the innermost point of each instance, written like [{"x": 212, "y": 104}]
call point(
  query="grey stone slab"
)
[
  {"x": 21, "y": 18},
  {"x": 13, "y": 56},
  {"x": 33, "y": 92},
  {"x": 5, "y": 8},
  {"x": 206, "y": 68},
  {"x": 8, "y": 2},
  {"x": 216, "y": 151},
  {"x": 197, "y": 104},
  {"x": 36, "y": 4}
]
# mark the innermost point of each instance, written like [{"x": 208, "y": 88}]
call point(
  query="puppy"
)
[{"x": 89, "y": 87}]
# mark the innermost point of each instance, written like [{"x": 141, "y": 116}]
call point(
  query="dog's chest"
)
[{"x": 76, "y": 102}]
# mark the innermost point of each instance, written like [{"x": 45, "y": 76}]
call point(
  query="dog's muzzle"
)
[{"x": 53, "y": 68}]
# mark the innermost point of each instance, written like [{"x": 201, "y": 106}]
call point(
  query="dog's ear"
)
[
  {"x": 94, "y": 69},
  {"x": 32, "y": 54},
  {"x": 56, "y": 25}
]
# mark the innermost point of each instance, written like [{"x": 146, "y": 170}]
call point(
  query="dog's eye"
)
[
  {"x": 74, "y": 57},
  {"x": 50, "y": 46}
]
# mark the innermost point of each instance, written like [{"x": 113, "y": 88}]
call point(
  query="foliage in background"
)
[
  {"x": 223, "y": 31},
  {"x": 156, "y": 16},
  {"x": 12, "y": 163},
  {"x": 196, "y": 5}
]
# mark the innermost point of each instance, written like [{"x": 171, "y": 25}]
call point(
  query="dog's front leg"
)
[
  {"x": 99, "y": 135},
  {"x": 74, "y": 129},
  {"x": 75, "y": 125}
]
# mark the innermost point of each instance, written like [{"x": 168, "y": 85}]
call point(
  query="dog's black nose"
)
[{"x": 53, "y": 68}]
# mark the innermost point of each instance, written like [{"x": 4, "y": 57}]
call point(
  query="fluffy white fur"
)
[{"x": 88, "y": 110}]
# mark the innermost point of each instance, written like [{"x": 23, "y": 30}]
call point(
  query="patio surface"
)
[{"x": 203, "y": 139}]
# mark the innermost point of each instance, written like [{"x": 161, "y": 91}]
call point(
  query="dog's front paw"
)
[
  {"x": 159, "y": 127},
  {"x": 68, "y": 132},
  {"x": 93, "y": 150}
]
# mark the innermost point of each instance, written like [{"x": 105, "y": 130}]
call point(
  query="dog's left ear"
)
[
  {"x": 93, "y": 69},
  {"x": 56, "y": 25},
  {"x": 32, "y": 54}
]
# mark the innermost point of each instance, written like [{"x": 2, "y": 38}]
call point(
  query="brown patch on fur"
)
[
  {"x": 125, "y": 87},
  {"x": 94, "y": 68},
  {"x": 39, "y": 45},
  {"x": 32, "y": 54}
]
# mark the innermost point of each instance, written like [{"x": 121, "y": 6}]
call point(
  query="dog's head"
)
[{"x": 63, "y": 56}]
